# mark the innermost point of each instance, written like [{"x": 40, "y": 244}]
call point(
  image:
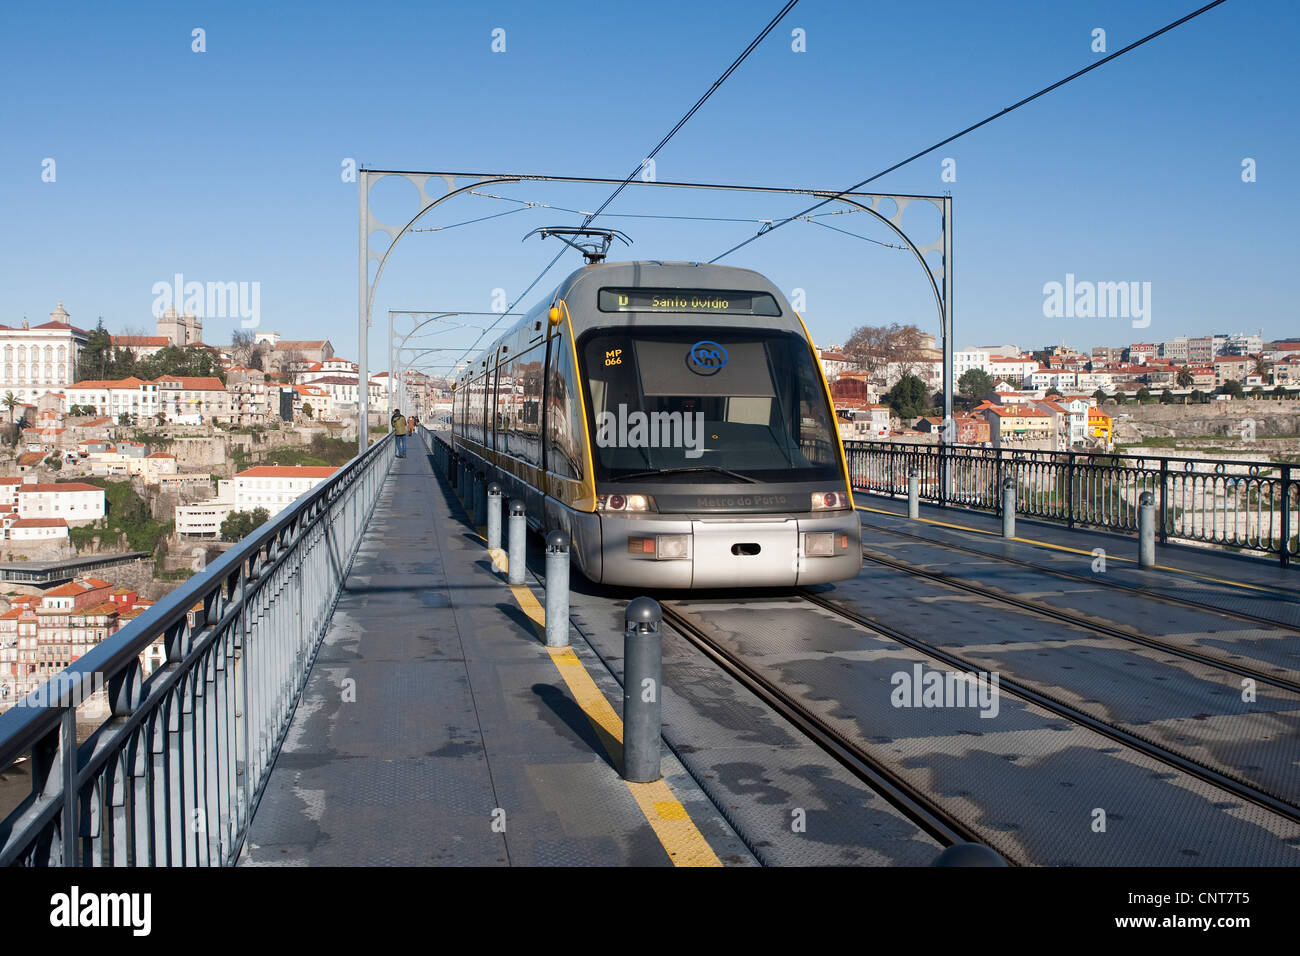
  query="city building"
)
[
  {"x": 1141, "y": 353},
  {"x": 140, "y": 346},
  {"x": 76, "y": 502},
  {"x": 272, "y": 487},
  {"x": 37, "y": 359},
  {"x": 180, "y": 329}
]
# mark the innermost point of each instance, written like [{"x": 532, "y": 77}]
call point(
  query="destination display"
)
[{"x": 709, "y": 301}]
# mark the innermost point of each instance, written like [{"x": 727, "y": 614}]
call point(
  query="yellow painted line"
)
[
  {"x": 1109, "y": 557},
  {"x": 681, "y": 839}
]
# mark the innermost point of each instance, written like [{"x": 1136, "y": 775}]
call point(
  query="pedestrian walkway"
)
[{"x": 437, "y": 729}]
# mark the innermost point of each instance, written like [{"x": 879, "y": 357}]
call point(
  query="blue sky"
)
[{"x": 225, "y": 165}]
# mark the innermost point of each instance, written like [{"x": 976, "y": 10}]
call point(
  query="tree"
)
[
  {"x": 124, "y": 418},
  {"x": 909, "y": 398},
  {"x": 96, "y": 354},
  {"x": 1185, "y": 378},
  {"x": 1261, "y": 367},
  {"x": 1199, "y": 397},
  {"x": 874, "y": 349},
  {"x": 292, "y": 364},
  {"x": 1166, "y": 397},
  {"x": 239, "y": 524},
  {"x": 1144, "y": 395},
  {"x": 975, "y": 383},
  {"x": 242, "y": 347},
  {"x": 1232, "y": 388},
  {"x": 10, "y": 401},
  {"x": 1100, "y": 396},
  {"x": 307, "y": 409},
  {"x": 1256, "y": 392},
  {"x": 1053, "y": 391}
]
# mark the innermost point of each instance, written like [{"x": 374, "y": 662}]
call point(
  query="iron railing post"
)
[{"x": 1285, "y": 555}]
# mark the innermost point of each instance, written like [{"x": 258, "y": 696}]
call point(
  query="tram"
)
[{"x": 673, "y": 419}]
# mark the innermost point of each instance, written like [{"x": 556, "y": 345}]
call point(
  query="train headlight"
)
[
  {"x": 829, "y": 500},
  {"x": 673, "y": 545},
  {"x": 661, "y": 547},
  {"x": 624, "y": 503},
  {"x": 819, "y": 544}
]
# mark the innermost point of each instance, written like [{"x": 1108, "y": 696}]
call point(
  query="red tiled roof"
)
[
  {"x": 129, "y": 382},
  {"x": 39, "y": 523},
  {"x": 193, "y": 383},
  {"x": 71, "y": 589},
  {"x": 59, "y": 486},
  {"x": 287, "y": 471},
  {"x": 60, "y": 327},
  {"x": 140, "y": 341}
]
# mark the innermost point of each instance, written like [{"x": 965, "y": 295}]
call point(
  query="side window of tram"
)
[
  {"x": 562, "y": 413},
  {"x": 505, "y": 409},
  {"x": 529, "y": 413}
]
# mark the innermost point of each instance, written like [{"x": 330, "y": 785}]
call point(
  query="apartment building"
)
[{"x": 272, "y": 487}]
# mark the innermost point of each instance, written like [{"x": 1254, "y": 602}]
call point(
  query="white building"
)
[
  {"x": 273, "y": 487},
  {"x": 115, "y": 397},
  {"x": 141, "y": 346},
  {"x": 33, "y": 529},
  {"x": 35, "y": 360},
  {"x": 73, "y": 501}
]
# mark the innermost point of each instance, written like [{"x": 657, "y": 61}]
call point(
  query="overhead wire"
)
[
  {"x": 970, "y": 129},
  {"x": 713, "y": 88}
]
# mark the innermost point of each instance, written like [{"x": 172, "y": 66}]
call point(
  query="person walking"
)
[{"x": 399, "y": 431}]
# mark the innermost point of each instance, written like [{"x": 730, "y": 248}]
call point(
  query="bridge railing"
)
[
  {"x": 173, "y": 774},
  {"x": 1251, "y": 506}
]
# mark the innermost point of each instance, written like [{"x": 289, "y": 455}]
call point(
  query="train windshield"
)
[{"x": 738, "y": 405}]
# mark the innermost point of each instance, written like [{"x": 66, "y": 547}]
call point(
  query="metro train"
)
[{"x": 673, "y": 419}]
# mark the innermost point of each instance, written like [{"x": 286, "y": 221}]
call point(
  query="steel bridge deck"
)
[{"x": 432, "y": 704}]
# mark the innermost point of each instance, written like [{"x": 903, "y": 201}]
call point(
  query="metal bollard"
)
[
  {"x": 913, "y": 495},
  {"x": 968, "y": 854},
  {"x": 480, "y": 499},
  {"x": 1146, "y": 530},
  {"x": 642, "y": 674},
  {"x": 557, "y": 589},
  {"x": 494, "y": 515},
  {"x": 515, "y": 544},
  {"x": 1008, "y": 507}
]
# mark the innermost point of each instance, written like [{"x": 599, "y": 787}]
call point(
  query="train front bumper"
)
[{"x": 730, "y": 551}]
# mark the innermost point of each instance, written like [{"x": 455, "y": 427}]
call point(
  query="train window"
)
[
  {"x": 526, "y": 440},
  {"x": 505, "y": 408},
  {"x": 744, "y": 400},
  {"x": 564, "y": 424},
  {"x": 501, "y": 406}
]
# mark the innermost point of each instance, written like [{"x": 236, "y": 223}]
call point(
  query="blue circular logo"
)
[{"x": 706, "y": 358}]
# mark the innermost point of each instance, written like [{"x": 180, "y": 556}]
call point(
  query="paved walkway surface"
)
[{"x": 437, "y": 729}]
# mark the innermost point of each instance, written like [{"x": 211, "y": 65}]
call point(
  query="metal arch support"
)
[
  {"x": 366, "y": 287},
  {"x": 941, "y": 278},
  {"x": 940, "y": 282},
  {"x": 397, "y": 346}
]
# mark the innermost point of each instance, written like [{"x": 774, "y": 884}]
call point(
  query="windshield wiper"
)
[{"x": 683, "y": 471}]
